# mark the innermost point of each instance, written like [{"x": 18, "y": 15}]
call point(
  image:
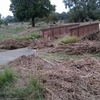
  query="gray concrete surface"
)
[{"x": 13, "y": 54}]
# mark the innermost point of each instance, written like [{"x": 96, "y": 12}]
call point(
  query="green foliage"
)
[
  {"x": 61, "y": 16},
  {"x": 35, "y": 36},
  {"x": 11, "y": 19},
  {"x": 26, "y": 9},
  {"x": 6, "y": 76},
  {"x": 5, "y": 22},
  {"x": 91, "y": 9},
  {"x": 27, "y": 37},
  {"x": 1, "y": 22},
  {"x": 51, "y": 18},
  {"x": 71, "y": 39},
  {"x": 22, "y": 38}
]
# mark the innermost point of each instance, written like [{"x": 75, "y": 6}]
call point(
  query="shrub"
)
[
  {"x": 22, "y": 38},
  {"x": 71, "y": 39},
  {"x": 5, "y": 22},
  {"x": 27, "y": 37}
]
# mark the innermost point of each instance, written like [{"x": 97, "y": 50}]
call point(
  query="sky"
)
[{"x": 4, "y": 7}]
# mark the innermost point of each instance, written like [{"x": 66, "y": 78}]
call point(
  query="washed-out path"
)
[{"x": 13, "y": 54}]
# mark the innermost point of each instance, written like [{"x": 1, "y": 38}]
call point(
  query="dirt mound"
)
[
  {"x": 31, "y": 63},
  {"x": 33, "y": 44},
  {"x": 70, "y": 80},
  {"x": 79, "y": 48}
]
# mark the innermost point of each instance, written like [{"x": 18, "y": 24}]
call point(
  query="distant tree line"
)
[
  {"x": 8, "y": 19},
  {"x": 11, "y": 19},
  {"x": 3, "y": 21},
  {"x": 52, "y": 17}
]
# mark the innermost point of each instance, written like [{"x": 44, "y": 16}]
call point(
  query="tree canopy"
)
[
  {"x": 26, "y": 9},
  {"x": 51, "y": 18},
  {"x": 82, "y": 10},
  {"x": 61, "y": 16}
]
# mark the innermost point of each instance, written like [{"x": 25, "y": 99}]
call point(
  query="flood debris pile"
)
[
  {"x": 40, "y": 43},
  {"x": 79, "y": 48},
  {"x": 31, "y": 63},
  {"x": 78, "y": 80},
  {"x": 69, "y": 80},
  {"x": 33, "y": 44},
  {"x": 14, "y": 44}
]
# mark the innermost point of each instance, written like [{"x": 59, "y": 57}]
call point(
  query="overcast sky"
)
[{"x": 4, "y": 7}]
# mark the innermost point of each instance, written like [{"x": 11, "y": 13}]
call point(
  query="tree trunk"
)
[{"x": 33, "y": 24}]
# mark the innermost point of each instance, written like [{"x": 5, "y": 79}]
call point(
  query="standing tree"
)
[
  {"x": 26, "y": 9},
  {"x": 83, "y": 9}
]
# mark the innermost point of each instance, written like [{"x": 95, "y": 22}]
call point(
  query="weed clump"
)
[
  {"x": 32, "y": 90},
  {"x": 28, "y": 37},
  {"x": 71, "y": 39}
]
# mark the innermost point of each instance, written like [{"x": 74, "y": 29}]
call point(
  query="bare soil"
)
[{"x": 69, "y": 80}]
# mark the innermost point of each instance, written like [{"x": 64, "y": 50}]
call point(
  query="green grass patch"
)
[
  {"x": 61, "y": 56},
  {"x": 10, "y": 31},
  {"x": 71, "y": 39},
  {"x": 22, "y": 38},
  {"x": 13, "y": 32},
  {"x": 6, "y": 77},
  {"x": 33, "y": 35},
  {"x": 31, "y": 90}
]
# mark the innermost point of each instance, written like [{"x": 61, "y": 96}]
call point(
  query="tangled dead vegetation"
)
[
  {"x": 14, "y": 44},
  {"x": 33, "y": 44},
  {"x": 70, "y": 80},
  {"x": 40, "y": 43},
  {"x": 77, "y": 80},
  {"x": 79, "y": 48},
  {"x": 31, "y": 63}
]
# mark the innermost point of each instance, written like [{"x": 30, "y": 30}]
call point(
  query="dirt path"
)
[{"x": 13, "y": 54}]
